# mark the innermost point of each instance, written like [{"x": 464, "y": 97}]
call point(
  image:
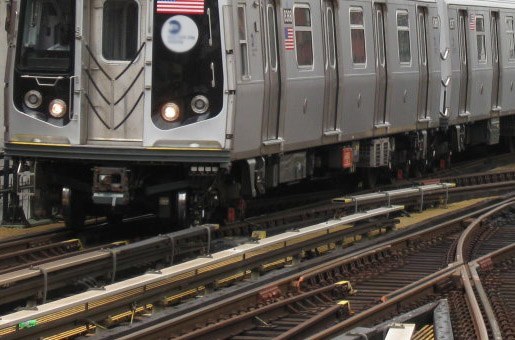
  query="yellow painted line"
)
[
  {"x": 259, "y": 234},
  {"x": 343, "y": 200},
  {"x": 148, "y": 148},
  {"x": 341, "y": 283},
  {"x": 81, "y": 330},
  {"x": 183, "y": 149},
  {"x": 346, "y": 305},
  {"x": 40, "y": 144},
  {"x": 187, "y": 294},
  {"x": 426, "y": 215},
  {"x": 76, "y": 241}
]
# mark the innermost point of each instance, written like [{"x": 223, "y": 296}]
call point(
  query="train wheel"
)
[
  {"x": 509, "y": 142},
  {"x": 114, "y": 218},
  {"x": 370, "y": 177},
  {"x": 73, "y": 209}
]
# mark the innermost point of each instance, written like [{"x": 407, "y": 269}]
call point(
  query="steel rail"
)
[
  {"x": 488, "y": 260},
  {"x": 462, "y": 255},
  {"x": 27, "y": 282},
  {"x": 273, "y": 306},
  {"x": 17, "y": 284},
  {"x": 10, "y": 245},
  {"x": 154, "y": 284},
  {"x": 395, "y": 299},
  {"x": 297, "y": 280},
  {"x": 464, "y": 241}
]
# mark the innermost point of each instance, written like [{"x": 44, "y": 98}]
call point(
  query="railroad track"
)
[
  {"x": 498, "y": 280},
  {"x": 317, "y": 298},
  {"x": 375, "y": 199},
  {"x": 106, "y": 265},
  {"x": 15, "y": 244},
  {"x": 372, "y": 286},
  {"x": 474, "y": 312}
]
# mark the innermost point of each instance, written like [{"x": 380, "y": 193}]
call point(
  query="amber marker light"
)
[
  {"x": 170, "y": 112},
  {"x": 57, "y": 108}
]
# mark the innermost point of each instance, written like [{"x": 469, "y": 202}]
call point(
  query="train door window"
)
[
  {"x": 380, "y": 38},
  {"x": 481, "y": 39},
  {"x": 272, "y": 36},
  {"x": 511, "y": 37},
  {"x": 120, "y": 30},
  {"x": 330, "y": 37},
  {"x": 303, "y": 36},
  {"x": 422, "y": 41},
  {"x": 403, "y": 37},
  {"x": 242, "y": 37},
  {"x": 357, "y": 33}
]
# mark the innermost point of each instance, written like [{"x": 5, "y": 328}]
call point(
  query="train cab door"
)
[
  {"x": 423, "y": 87},
  {"x": 494, "y": 22},
  {"x": 380, "y": 118},
  {"x": 464, "y": 71},
  {"x": 115, "y": 72},
  {"x": 272, "y": 77},
  {"x": 330, "y": 70}
]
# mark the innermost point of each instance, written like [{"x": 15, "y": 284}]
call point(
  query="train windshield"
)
[{"x": 46, "y": 35}]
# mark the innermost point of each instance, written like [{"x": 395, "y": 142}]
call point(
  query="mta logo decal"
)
[{"x": 175, "y": 27}]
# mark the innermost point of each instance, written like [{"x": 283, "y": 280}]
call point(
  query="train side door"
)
[
  {"x": 272, "y": 75},
  {"x": 330, "y": 69},
  {"x": 464, "y": 71},
  {"x": 423, "y": 86},
  {"x": 494, "y": 22},
  {"x": 381, "y": 66},
  {"x": 115, "y": 89}
]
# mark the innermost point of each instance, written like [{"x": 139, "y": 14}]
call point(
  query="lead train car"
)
[{"x": 183, "y": 107}]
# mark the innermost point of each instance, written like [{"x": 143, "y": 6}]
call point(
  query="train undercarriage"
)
[{"x": 183, "y": 194}]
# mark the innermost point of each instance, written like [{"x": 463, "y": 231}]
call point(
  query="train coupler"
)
[{"x": 110, "y": 186}]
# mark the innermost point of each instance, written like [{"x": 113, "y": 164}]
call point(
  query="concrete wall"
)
[{"x": 3, "y": 52}]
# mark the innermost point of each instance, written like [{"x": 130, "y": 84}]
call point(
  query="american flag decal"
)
[
  {"x": 288, "y": 39},
  {"x": 180, "y": 7},
  {"x": 472, "y": 22}
]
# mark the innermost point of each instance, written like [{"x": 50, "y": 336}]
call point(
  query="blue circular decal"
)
[{"x": 179, "y": 34}]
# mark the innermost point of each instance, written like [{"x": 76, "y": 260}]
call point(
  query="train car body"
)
[{"x": 183, "y": 107}]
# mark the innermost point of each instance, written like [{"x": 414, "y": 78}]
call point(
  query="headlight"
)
[
  {"x": 57, "y": 108},
  {"x": 170, "y": 112},
  {"x": 200, "y": 104},
  {"x": 33, "y": 99}
]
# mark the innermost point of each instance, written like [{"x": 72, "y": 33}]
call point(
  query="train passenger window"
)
[
  {"x": 357, "y": 34},
  {"x": 303, "y": 36},
  {"x": 242, "y": 37},
  {"x": 120, "y": 30},
  {"x": 403, "y": 37},
  {"x": 481, "y": 39},
  {"x": 511, "y": 37}
]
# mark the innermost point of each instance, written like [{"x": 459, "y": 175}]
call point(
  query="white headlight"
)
[
  {"x": 57, "y": 108},
  {"x": 33, "y": 99},
  {"x": 200, "y": 104},
  {"x": 170, "y": 112}
]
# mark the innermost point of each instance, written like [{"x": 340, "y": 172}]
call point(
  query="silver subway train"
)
[{"x": 184, "y": 107}]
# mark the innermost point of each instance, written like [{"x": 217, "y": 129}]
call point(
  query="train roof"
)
[{"x": 483, "y": 3}]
